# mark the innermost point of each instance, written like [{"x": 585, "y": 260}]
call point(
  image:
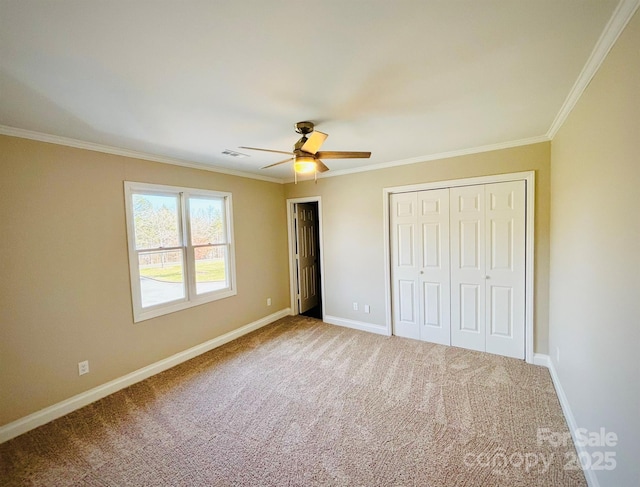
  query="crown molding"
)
[
  {"x": 80, "y": 144},
  {"x": 618, "y": 21},
  {"x": 435, "y": 157}
]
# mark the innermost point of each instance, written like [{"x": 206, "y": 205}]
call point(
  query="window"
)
[{"x": 180, "y": 248}]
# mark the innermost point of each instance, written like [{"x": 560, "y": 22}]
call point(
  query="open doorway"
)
[{"x": 306, "y": 257}]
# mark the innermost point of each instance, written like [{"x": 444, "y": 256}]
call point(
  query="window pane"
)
[
  {"x": 161, "y": 277},
  {"x": 211, "y": 269},
  {"x": 207, "y": 220},
  {"x": 156, "y": 221}
]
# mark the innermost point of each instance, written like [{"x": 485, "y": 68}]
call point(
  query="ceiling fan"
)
[{"x": 306, "y": 154}]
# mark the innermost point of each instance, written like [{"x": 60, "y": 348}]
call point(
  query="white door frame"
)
[
  {"x": 291, "y": 233},
  {"x": 529, "y": 178}
]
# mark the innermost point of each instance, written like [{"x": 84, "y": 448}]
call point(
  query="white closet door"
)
[
  {"x": 468, "y": 267},
  {"x": 433, "y": 280},
  {"x": 505, "y": 265},
  {"x": 405, "y": 264},
  {"x": 458, "y": 266}
]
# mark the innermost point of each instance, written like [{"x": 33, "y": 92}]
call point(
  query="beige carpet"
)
[{"x": 300, "y": 402}]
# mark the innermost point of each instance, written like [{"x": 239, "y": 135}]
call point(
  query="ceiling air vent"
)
[{"x": 232, "y": 153}]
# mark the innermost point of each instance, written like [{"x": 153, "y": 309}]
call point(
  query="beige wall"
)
[
  {"x": 353, "y": 226},
  {"x": 595, "y": 255},
  {"x": 65, "y": 295},
  {"x": 64, "y": 292}
]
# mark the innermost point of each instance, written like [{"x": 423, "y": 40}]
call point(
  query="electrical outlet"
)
[
  {"x": 558, "y": 354},
  {"x": 83, "y": 367},
  {"x": 268, "y": 301},
  {"x": 355, "y": 306},
  {"x": 367, "y": 309}
]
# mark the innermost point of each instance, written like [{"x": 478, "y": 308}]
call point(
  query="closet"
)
[{"x": 458, "y": 266}]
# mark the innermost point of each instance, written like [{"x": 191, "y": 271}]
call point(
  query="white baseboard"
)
[
  {"x": 542, "y": 359},
  {"x": 356, "y": 325},
  {"x": 545, "y": 361},
  {"x": 58, "y": 410}
]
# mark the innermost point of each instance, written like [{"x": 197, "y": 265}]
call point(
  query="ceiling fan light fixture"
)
[{"x": 304, "y": 165}]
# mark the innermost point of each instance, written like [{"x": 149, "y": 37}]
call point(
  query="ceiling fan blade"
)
[
  {"x": 277, "y": 163},
  {"x": 266, "y": 150},
  {"x": 321, "y": 166},
  {"x": 314, "y": 141},
  {"x": 343, "y": 155}
]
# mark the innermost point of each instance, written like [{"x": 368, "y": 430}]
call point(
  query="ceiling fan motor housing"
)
[{"x": 304, "y": 127}]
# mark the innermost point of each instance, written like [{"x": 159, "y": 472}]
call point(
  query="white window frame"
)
[{"x": 191, "y": 297}]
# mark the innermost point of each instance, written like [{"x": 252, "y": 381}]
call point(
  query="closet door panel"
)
[
  {"x": 433, "y": 221},
  {"x": 468, "y": 301},
  {"x": 505, "y": 258},
  {"x": 405, "y": 264}
]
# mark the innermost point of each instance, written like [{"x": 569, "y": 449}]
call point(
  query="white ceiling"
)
[{"x": 405, "y": 79}]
